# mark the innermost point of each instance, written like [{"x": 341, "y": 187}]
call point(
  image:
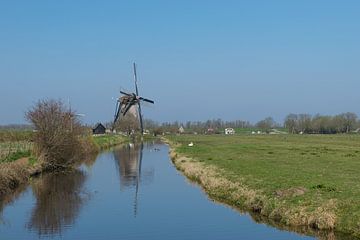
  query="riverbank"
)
[
  {"x": 107, "y": 141},
  {"x": 308, "y": 182},
  {"x": 22, "y": 167}
]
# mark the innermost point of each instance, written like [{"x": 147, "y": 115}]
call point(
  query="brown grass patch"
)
[{"x": 12, "y": 175}]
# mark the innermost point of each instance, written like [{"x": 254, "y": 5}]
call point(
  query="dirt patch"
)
[{"x": 291, "y": 192}]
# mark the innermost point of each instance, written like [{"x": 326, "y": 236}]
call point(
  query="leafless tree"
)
[
  {"x": 127, "y": 124},
  {"x": 266, "y": 124},
  {"x": 57, "y": 133}
]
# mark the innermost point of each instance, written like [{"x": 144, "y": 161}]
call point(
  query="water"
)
[{"x": 126, "y": 193}]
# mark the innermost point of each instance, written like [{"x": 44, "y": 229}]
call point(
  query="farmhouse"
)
[
  {"x": 229, "y": 131},
  {"x": 99, "y": 129}
]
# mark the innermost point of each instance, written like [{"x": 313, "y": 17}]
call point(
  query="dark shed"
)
[{"x": 99, "y": 129}]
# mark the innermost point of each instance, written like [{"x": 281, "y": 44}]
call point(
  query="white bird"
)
[{"x": 191, "y": 144}]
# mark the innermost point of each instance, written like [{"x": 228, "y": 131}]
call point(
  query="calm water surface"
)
[{"x": 126, "y": 193}]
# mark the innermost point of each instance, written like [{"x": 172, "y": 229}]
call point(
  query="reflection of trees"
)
[
  {"x": 58, "y": 201},
  {"x": 6, "y": 199},
  {"x": 89, "y": 160}
]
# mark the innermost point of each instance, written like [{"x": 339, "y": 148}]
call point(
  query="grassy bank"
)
[
  {"x": 109, "y": 140},
  {"x": 18, "y": 164},
  {"x": 307, "y": 180}
]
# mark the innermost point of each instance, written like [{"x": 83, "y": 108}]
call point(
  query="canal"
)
[{"x": 130, "y": 192}]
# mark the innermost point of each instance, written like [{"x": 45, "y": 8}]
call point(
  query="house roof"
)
[{"x": 99, "y": 125}]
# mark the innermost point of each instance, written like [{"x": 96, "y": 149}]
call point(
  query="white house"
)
[{"x": 229, "y": 131}]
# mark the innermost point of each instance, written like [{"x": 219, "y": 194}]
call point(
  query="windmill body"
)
[{"x": 130, "y": 103}]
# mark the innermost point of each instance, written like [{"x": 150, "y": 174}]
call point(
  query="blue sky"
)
[{"x": 197, "y": 59}]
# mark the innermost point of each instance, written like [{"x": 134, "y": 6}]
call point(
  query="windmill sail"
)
[{"x": 130, "y": 103}]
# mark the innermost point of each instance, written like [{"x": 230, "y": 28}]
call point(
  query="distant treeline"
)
[
  {"x": 294, "y": 123},
  {"x": 195, "y": 126},
  {"x": 16, "y": 127},
  {"x": 305, "y": 123}
]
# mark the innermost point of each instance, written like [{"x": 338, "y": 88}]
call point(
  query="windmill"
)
[{"x": 128, "y": 103}]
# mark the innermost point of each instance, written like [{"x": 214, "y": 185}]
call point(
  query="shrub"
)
[{"x": 57, "y": 131}]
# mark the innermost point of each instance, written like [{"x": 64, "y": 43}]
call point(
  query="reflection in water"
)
[
  {"x": 56, "y": 206},
  {"x": 8, "y": 199},
  {"x": 129, "y": 160},
  {"x": 59, "y": 198}
]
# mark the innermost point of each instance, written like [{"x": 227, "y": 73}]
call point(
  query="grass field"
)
[
  {"x": 11, "y": 151},
  {"x": 299, "y": 179},
  {"x": 15, "y": 144},
  {"x": 15, "y": 135},
  {"x": 109, "y": 140}
]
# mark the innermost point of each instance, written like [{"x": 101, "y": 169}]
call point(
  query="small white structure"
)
[
  {"x": 229, "y": 131},
  {"x": 181, "y": 129}
]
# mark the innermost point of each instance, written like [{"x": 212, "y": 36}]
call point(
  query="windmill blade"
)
[
  {"x": 147, "y": 105},
  {"x": 147, "y": 100},
  {"x": 141, "y": 156},
  {"x": 125, "y": 93},
  {"x": 140, "y": 119},
  {"x": 135, "y": 78},
  {"x": 128, "y": 106},
  {"x": 138, "y": 179},
  {"x": 116, "y": 108},
  {"x": 117, "y": 112}
]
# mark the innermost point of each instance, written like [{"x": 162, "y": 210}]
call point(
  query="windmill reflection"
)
[
  {"x": 59, "y": 198},
  {"x": 129, "y": 162}
]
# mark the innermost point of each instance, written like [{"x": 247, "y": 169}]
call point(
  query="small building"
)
[
  {"x": 99, "y": 129},
  {"x": 229, "y": 131},
  {"x": 181, "y": 130}
]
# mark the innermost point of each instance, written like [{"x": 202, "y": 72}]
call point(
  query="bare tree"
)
[
  {"x": 57, "y": 133},
  {"x": 127, "y": 124},
  {"x": 291, "y": 123},
  {"x": 350, "y": 121},
  {"x": 266, "y": 124}
]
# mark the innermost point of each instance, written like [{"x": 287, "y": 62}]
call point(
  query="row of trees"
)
[
  {"x": 197, "y": 126},
  {"x": 294, "y": 123},
  {"x": 305, "y": 123}
]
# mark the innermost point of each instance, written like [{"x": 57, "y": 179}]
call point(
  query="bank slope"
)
[{"x": 309, "y": 182}]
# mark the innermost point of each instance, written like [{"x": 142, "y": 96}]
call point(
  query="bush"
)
[{"x": 57, "y": 131}]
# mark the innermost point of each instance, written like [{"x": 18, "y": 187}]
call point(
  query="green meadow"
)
[{"x": 307, "y": 173}]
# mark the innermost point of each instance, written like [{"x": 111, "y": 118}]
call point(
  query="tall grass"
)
[
  {"x": 11, "y": 151},
  {"x": 15, "y": 135}
]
